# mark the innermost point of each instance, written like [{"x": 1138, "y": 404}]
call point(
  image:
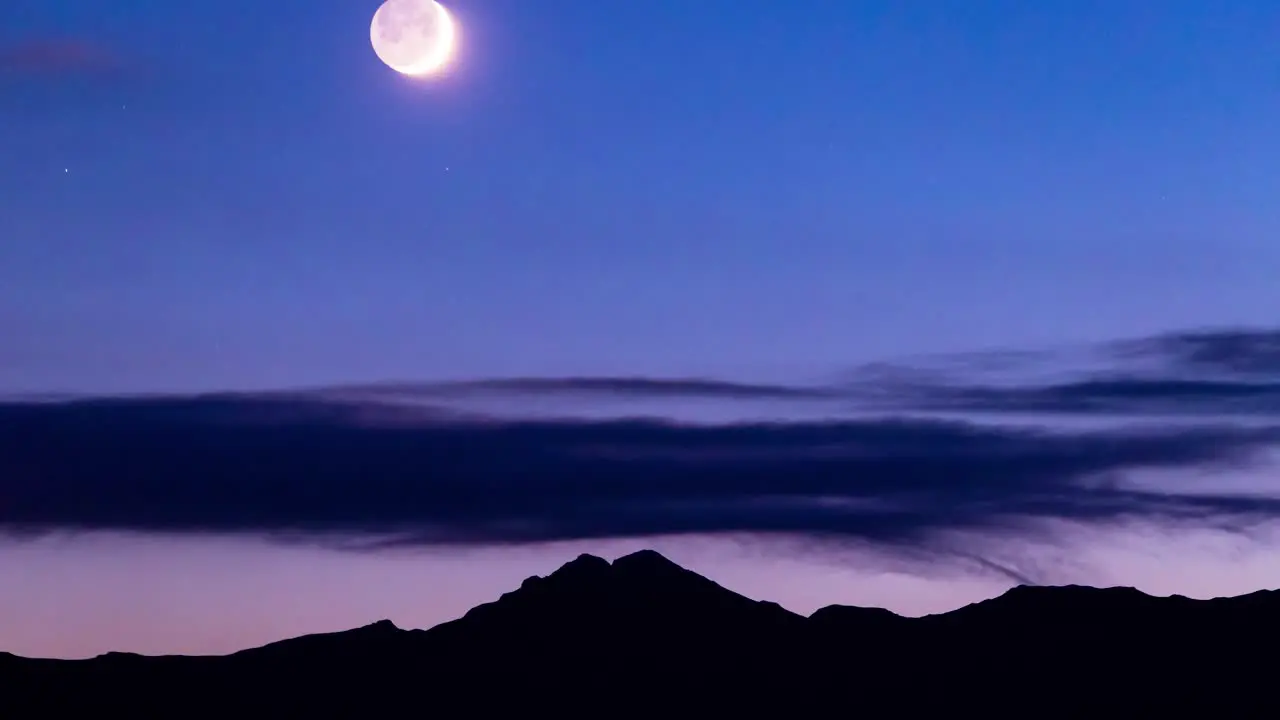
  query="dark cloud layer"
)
[
  {"x": 357, "y": 462},
  {"x": 278, "y": 466}
]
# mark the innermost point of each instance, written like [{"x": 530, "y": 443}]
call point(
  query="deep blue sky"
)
[{"x": 236, "y": 193}]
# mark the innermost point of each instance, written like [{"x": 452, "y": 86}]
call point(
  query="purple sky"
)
[
  {"x": 214, "y": 596},
  {"x": 218, "y": 195}
]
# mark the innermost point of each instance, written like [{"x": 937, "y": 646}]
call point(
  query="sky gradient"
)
[
  {"x": 704, "y": 213},
  {"x": 252, "y": 200}
]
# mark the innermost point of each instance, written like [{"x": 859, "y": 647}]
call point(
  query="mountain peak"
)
[
  {"x": 643, "y": 591},
  {"x": 591, "y": 570},
  {"x": 853, "y": 613},
  {"x": 584, "y": 569},
  {"x": 649, "y": 559},
  {"x": 585, "y": 563},
  {"x": 647, "y": 570},
  {"x": 1072, "y": 594}
]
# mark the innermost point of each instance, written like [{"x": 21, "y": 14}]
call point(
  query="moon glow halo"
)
[{"x": 413, "y": 37}]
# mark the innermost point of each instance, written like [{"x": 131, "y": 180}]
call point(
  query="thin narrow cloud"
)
[
  {"x": 1101, "y": 397},
  {"x": 639, "y": 387}
]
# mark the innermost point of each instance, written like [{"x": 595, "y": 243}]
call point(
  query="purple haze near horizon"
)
[{"x": 214, "y": 196}]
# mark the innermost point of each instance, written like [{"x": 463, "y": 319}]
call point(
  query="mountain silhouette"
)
[{"x": 642, "y": 635}]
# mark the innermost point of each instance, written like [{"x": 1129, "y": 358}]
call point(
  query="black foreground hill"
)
[{"x": 642, "y": 635}]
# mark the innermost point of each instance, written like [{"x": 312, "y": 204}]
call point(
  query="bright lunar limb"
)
[{"x": 413, "y": 37}]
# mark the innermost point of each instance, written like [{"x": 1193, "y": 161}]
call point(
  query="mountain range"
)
[{"x": 642, "y": 635}]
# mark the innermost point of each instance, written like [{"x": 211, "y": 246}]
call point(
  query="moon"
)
[{"x": 413, "y": 37}]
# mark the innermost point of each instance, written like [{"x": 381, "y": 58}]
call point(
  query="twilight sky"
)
[{"x": 236, "y": 196}]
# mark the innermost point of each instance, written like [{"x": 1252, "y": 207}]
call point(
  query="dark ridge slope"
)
[{"x": 641, "y": 635}]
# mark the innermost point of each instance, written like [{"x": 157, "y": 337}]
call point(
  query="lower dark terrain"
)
[{"x": 642, "y": 636}]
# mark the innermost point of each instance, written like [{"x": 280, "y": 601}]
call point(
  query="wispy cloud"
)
[
  {"x": 54, "y": 58},
  {"x": 1224, "y": 373},
  {"x": 1207, "y": 373},
  {"x": 1239, "y": 352},
  {"x": 40, "y": 76}
]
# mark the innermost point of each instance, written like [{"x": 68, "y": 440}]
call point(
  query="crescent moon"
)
[{"x": 433, "y": 52}]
